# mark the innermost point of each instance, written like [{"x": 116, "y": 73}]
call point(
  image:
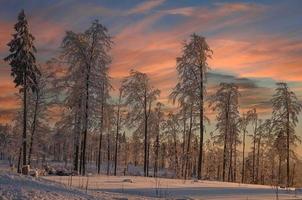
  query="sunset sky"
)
[{"x": 255, "y": 43}]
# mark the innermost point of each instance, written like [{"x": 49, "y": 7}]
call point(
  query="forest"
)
[{"x": 71, "y": 113}]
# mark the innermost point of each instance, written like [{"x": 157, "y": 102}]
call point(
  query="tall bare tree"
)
[
  {"x": 243, "y": 123},
  {"x": 172, "y": 129},
  {"x": 192, "y": 66},
  {"x": 139, "y": 95},
  {"x": 225, "y": 102},
  {"x": 87, "y": 53},
  {"x": 286, "y": 108},
  {"x": 39, "y": 103}
]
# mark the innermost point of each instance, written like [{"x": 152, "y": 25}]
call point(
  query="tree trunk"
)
[
  {"x": 287, "y": 152},
  {"x": 86, "y": 122},
  {"x": 235, "y": 160},
  {"x": 258, "y": 158},
  {"x": 148, "y": 157},
  {"x": 156, "y": 155},
  {"x": 199, "y": 172},
  {"x": 24, "y": 120},
  {"x": 225, "y": 138},
  {"x": 19, "y": 160},
  {"x": 243, "y": 159},
  {"x": 254, "y": 150},
  {"x": 77, "y": 137},
  {"x": 33, "y": 126},
  {"x": 293, "y": 174},
  {"x": 184, "y": 144},
  {"x": 175, "y": 153},
  {"x": 81, "y": 155},
  {"x": 231, "y": 156},
  {"x": 117, "y": 133},
  {"x": 279, "y": 171},
  {"x": 101, "y": 129},
  {"x": 108, "y": 152},
  {"x": 146, "y": 135},
  {"x": 189, "y": 141}
]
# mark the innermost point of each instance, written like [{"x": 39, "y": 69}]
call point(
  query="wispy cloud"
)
[{"x": 145, "y": 6}]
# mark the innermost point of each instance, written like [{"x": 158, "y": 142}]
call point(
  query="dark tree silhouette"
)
[{"x": 23, "y": 67}]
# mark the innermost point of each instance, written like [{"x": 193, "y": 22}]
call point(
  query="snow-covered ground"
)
[
  {"x": 175, "y": 188},
  {"x": 17, "y": 187}
]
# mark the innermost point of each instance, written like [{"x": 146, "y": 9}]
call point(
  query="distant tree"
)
[
  {"x": 286, "y": 108},
  {"x": 139, "y": 95},
  {"x": 4, "y": 140},
  {"x": 172, "y": 129},
  {"x": 24, "y": 68},
  {"x": 225, "y": 102},
  {"x": 243, "y": 124},
  {"x": 192, "y": 66},
  {"x": 254, "y": 122},
  {"x": 263, "y": 132},
  {"x": 280, "y": 146},
  {"x": 156, "y": 124},
  {"x": 109, "y": 124}
]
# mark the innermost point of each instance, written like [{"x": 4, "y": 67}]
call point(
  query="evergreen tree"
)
[{"x": 23, "y": 67}]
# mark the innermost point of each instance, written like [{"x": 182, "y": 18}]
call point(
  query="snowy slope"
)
[
  {"x": 177, "y": 189},
  {"x": 18, "y": 187}
]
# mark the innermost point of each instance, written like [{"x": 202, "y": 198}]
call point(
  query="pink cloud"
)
[{"x": 145, "y": 6}]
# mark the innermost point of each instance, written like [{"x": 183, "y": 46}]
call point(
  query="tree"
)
[
  {"x": 254, "y": 122},
  {"x": 87, "y": 54},
  {"x": 286, "y": 108},
  {"x": 225, "y": 102},
  {"x": 118, "y": 124},
  {"x": 139, "y": 95},
  {"x": 156, "y": 119},
  {"x": 243, "y": 123},
  {"x": 192, "y": 67},
  {"x": 23, "y": 67},
  {"x": 172, "y": 130},
  {"x": 262, "y": 133},
  {"x": 280, "y": 146},
  {"x": 39, "y": 103}
]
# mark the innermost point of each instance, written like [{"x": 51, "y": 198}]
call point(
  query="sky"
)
[{"x": 255, "y": 43}]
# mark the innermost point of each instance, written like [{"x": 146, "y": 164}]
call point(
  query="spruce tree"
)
[{"x": 23, "y": 66}]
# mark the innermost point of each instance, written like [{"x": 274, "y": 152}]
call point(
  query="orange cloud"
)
[
  {"x": 9, "y": 102},
  {"x": 5, "y": 32},
  {"x": 48, "y": 33},
  {"x": 279, "y": 60}
]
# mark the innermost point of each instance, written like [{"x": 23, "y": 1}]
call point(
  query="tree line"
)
[{"x": 96, "y": 129}]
